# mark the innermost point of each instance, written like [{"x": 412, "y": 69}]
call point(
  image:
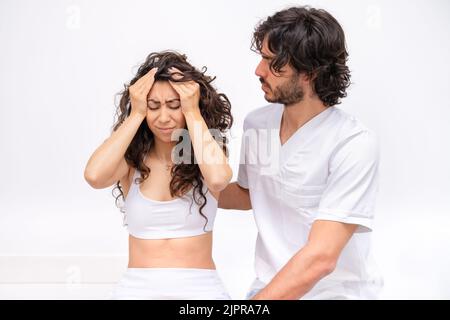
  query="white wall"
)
[{"x": 61, "y": 62}]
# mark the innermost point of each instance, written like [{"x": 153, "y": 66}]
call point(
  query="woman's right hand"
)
[{"x": 139, "y": 92}]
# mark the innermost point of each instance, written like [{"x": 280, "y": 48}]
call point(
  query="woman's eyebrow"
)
[{"x": 168, "y": 100}]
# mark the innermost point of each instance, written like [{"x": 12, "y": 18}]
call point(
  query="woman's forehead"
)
[{"x": 162, "y": 90}]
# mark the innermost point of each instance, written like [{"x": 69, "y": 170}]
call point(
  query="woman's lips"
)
[{"x": 166, "y": 130}]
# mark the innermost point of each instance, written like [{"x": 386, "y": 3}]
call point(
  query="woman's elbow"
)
[{"x": 92, "y": 179}]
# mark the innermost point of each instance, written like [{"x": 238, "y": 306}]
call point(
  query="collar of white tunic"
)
[{"x": 303, "y": 134}]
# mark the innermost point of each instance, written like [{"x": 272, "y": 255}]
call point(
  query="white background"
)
[{"x": 62, "y": 62}]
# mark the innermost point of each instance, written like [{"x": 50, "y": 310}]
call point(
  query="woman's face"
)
[{"x": 164, "y": 111}]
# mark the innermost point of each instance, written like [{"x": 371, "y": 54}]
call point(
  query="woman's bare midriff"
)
[{"x": 188, "y": 252}]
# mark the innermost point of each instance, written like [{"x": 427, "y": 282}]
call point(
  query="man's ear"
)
[
  {"x": 306, "y": 81},
  {"x": 308, "y": 77}
]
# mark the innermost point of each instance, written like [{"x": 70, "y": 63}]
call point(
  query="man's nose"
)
[{"x": 259, "y": 71}]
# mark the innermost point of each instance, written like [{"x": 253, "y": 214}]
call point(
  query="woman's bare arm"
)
[
  {"x": 107, "y": 164},
  {"x": 210, "y": 157}
]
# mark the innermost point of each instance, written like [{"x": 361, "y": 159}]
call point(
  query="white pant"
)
[
  {"x": 169, "y": 284},
  {"x": 321, "y": 292}
]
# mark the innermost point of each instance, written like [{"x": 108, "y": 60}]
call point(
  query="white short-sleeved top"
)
[{"x": 327, "y": 170}]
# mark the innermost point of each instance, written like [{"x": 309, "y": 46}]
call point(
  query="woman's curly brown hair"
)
[
  {"x": 313, "y": 43},
  {"x": 214, "y": 107}
]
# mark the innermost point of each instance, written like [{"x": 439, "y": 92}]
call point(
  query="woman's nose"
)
[{"x": 164, "y": 115}]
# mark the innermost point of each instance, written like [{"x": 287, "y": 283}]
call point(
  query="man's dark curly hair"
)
[
  {"x": 312, "y": 42},
  {"x": 214, "y": 107}
]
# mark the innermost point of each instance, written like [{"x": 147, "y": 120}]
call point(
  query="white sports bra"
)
[{"x": 176, "y": 218}]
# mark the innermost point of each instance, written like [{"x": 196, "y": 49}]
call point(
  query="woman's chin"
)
[{"x": 165, "y": 139}]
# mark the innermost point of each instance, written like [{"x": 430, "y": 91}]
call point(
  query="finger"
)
[
  {"x": 151, "y": 73},
  {"x": 173, "y": 70},
  {"x": 148, "y": 76},
  {"x": 176, "y": 73},
  {"x": 137, "y": 86},
  {"x": 188, "y": 83},
  {"x": 176, "y": 87},
  {"x": 153, "y": 70},
  {"x": 191, "y": 84},
  {"x": 188, "y": 87},
  {"x": 149, "y": 80},
  {"x": 184, "y": 87}
]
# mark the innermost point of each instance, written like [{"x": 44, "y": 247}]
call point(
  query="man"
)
[{"x": 313, "y": 198}]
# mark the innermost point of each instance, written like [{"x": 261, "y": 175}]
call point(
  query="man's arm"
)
[
  {"x": 235, "y": 197},
  {"x": 314, "y": 261}
]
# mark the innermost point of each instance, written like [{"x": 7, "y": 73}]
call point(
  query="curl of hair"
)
[
  {"x": 313, "y": 43},
  {"x": 214, "y": 107}
]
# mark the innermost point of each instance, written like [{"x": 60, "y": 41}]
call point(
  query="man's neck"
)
[{"x": 296, "y": 115}]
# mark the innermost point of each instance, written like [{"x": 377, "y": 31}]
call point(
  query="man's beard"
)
[{"x": 287, "y": 93}]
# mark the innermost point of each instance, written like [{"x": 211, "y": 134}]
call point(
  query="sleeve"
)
[
  {"x": 352, "y": 184},
  {"x": 242, "y": 178}
]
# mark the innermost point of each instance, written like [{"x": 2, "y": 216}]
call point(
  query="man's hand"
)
[{"x": 235, "y": 197}]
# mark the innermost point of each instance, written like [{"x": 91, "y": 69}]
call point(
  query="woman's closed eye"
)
[{"x": 172, "y": 104}]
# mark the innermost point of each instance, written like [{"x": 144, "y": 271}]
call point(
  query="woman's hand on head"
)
[
  {"x": 189, "y": 92},
  {"x": 139, "y": 92}
]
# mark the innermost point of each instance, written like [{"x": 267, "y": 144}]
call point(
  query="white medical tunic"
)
[{"x": 327, "y": 170}]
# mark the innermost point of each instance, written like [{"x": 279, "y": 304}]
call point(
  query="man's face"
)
[{"x": 279, "y": 87}]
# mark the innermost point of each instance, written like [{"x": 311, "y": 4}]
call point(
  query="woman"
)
[{"x": 170, "y": 199}]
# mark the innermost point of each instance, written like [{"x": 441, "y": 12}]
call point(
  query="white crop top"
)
[{"x": 176, "y": 218}]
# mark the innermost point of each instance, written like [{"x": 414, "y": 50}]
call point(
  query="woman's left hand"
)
[{"x": 189, "y": 92}]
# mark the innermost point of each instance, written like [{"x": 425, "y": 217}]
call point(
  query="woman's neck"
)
[{"x": 163, "y": 150}]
